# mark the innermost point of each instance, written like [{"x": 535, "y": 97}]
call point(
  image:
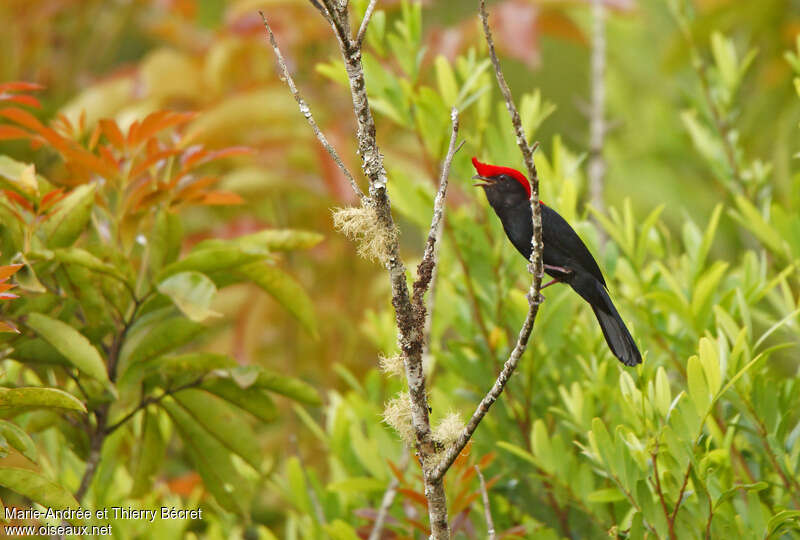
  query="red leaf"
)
[
  {"x": 19, "y": 199},
  {"x": 51, "y": 198},
  {"x": 21, "y": 98},
  {"x": 400, "y": 475},
  {"x": 6, "y": 286},
  {"x": 15, "y": 86},
  {"x": 415, "y": 496}
]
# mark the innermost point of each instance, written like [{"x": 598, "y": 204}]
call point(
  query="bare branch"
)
[
  {"x": 307, "y": 112},
  {"x": 429, "y": 260},
  {"x": 387, "y": 500},
  {"x": 490, "y": 534},
  {"x": 597, "y": 119},
  {"x": 535, "y": 265},
  {"x": 488, "y": 400},
  {"x": 362, "y": 31}
]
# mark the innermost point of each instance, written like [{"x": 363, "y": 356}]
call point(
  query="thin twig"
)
[
  {"x": 362, "y": 31},
  {"x": 660, "y": 492},
  {"x": 536, "y": 265},
  {"x": 387, "y": 500},
  {"x": 597, "y": 118},
  {"x": 410, "y": 326},
  {"x": 490, "y": 534},
  {"x": 150, "y": 400},
  {"x": 681, "y": 492},
  {"x": 307, "y": 111},
  {"x": 428, "y": 263}
]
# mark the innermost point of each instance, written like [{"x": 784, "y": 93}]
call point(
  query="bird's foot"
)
[{"x": 559, "y": 269}]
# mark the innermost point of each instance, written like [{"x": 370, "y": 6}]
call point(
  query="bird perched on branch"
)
[{"x": 566, "y": 258}]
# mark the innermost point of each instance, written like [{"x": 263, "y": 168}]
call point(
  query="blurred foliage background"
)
[{"x": 699, "y": 238}]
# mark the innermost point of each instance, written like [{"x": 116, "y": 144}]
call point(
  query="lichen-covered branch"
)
[
  {"x": 306, "y": 111},
  {"x": 427, "y": 266},
  {"x": 362, "y": 31}
]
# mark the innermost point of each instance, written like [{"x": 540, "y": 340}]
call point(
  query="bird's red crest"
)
[{"x": 484, "y": 169}]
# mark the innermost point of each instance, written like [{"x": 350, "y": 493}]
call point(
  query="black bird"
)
[{"x": 566, "y": 258}]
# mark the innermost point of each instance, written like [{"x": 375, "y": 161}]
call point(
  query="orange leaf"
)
[
  {"x": 21, "y": 98},
  {"x": 108, "y": 157},
  {"x": 8, "y": 271},
  {"x": 15, "y": 86},
  {"x": 150, "y": 161},
  {"x": 204, "y": 156},
  {"x": 94, "y": 137},
  {"x": 6, "y": 286},
  {"x": 7, "y": 296},
  {"x": 214, "y": 198},
  {"x": 13, "y": 132},
  {"x": 400, "y": 475},
  {"x": 112, "y": 133},
  {"x": 8, "y": 327},
  {"x": 155, "y": 122},
  {"x": 415, "y": 496},
  {"x": 87, "y": 160}
]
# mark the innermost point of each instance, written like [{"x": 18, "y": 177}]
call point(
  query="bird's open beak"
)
[{"x": 487, "y": 181}]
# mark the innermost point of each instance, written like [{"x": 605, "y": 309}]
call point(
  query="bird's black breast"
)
[{"x": 562, "y": 245}]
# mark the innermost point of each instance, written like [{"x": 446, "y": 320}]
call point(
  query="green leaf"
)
[
  {"x": 160, "y": 338},
  {"x": 358, "y": 484},
  {"x": 38, "y": 489},
  {"x": 81, "y": 257},
  {"x": 37, "y": 397},
  {"x": 256, "y": 401},
  {"x": 165, "y": 239},
  {"x": 663, "y": 394},
  {"x": 340, "y": 530},
  {"x": 69, "y": 217},
  {"x": 542, "y": 448},
  {"x": 709, "y": 358},
  {"x": 277, "y": 240},
  {"x": 19, "y": 176},
  {"x": 446, "y": 81},
  {"x": 192, "y": 293},
  {"x": 706, "y": 286},
  {"x": 149, "y": 455},
  {"x": 605, "y": 495},
  {"x": 213, "y": 259},
  {"x": 184, "y": 368},
  {"x": 698, "y": 389},
  {"x": 752, "y": 220},
  {"x": 223, "y": 422},
  {"x": 287, "y": 386},
  {"x": 72, "y": 344},
  {"x": 212, "y": 459},
  {"x": 517, "y": 451},
  {"x": 285, "y": 290},
  {"x": 17, "y": 438}
]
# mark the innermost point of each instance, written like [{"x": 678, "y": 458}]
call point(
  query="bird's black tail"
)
[{"x": 616, "y": 333}]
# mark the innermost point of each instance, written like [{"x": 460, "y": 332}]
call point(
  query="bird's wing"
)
[{"x": 561, "y": 241}]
